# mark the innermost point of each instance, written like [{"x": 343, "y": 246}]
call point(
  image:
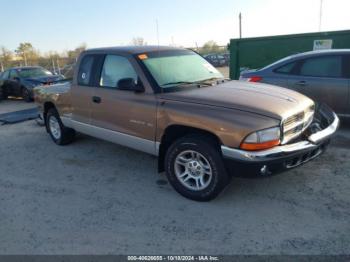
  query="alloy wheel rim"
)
[
  {"x": 193, "y": 170},
  {"x": 54, "y": 127}
]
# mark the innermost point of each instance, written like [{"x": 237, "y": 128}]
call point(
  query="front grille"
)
[
  {"x": 297, "y": 161},
  {"x": 293, "y": 126},
  {"x": 294, "y": 121}
]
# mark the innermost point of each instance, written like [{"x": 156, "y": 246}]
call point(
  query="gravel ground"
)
[
  {"x": 94, "y": 197},
  {"x": 14, "y": 104},
  {"x": 225, "y": 71}
]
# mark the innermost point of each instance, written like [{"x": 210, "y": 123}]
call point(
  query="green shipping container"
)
[{"x": 254, "y": 53}]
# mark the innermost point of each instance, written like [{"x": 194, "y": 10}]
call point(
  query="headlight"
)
[{"x": 263, "y": 139}]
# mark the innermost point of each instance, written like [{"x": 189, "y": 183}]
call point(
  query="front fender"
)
[{"x": 230, "y": 126}]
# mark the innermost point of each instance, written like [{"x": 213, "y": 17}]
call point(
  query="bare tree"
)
[
  {"x": 73, "y": 54},
  {"x": 5, "y": 58},
  {"x": 138, "y": 41},
  {"x": 210, "y": 47},
  {"x": 28, "y": 54}
]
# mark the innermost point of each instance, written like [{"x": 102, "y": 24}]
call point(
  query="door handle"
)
[
  {"x": 96, "y": 99},
  {"x": 301, "y": 83}
]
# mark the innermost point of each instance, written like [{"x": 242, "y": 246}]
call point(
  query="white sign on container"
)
[{"x": 323, "y": 44}]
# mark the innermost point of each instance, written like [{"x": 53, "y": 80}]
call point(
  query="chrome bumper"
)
[{"x": 277, "y": 152}]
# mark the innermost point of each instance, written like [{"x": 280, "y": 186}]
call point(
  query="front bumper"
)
[{"x": 284, "y": 156}]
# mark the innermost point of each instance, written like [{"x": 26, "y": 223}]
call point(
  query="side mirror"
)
[{"x": 130, "y": 84}]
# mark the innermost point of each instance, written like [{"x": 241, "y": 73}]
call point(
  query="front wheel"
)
[
  {"x": 60, "y": 134},
  {"x": 195, "y": 168}
]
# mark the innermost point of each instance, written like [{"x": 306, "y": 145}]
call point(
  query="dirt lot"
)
[
  {"x": 93, "y": 197},
  {"x": 225, "y": 71},
  {"x": 14, "y": 104}
]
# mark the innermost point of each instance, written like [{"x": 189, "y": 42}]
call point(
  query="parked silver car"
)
[{"x": 322, "y": 75}]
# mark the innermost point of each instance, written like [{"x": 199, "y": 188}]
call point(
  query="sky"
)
[{"x": 59, "y": 25}]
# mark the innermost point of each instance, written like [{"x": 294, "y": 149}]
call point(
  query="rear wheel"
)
[
  {"x": 3, "y": 95},
  {"x": 195, "y": 168},
  {"x": 26, "y": 95},
  {"x": 60, "y": 134}
]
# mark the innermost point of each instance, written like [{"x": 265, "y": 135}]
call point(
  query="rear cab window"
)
[{"x": 85, "y": 70}]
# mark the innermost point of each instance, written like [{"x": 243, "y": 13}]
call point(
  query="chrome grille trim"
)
[{"x": 296, "y": 124}]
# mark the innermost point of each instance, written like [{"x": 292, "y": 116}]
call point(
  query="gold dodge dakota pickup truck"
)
[{"x": 172, "y": 103}]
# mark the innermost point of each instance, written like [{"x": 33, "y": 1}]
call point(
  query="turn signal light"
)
[{"x": 260, "y": 146}]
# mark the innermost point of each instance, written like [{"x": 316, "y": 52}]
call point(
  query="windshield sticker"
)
[{"x": 143, "y": 57}]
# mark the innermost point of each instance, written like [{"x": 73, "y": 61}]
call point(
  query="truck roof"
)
[{"x": 135, "y": 49}]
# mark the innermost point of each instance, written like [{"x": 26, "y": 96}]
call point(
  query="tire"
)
[
  {"x": 195, "y": 168},
  {"x": 3, "y": 95},
  {"x": 60, "y": 134},
  {"x": 26, "y": 95}
]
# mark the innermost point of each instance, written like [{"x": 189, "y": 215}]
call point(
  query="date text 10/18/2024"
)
[{"x": 173, "y": 258}]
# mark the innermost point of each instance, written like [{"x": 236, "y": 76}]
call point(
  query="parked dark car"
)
[
  {"x": 20, "y": 81},
  {"x": 1, "y": 95},
  {"x": 67, "y": 71},
  {"x": 324, "y": 76},
  {"x": 227, "y": 57},
  {"x": 216, "y": 60}
]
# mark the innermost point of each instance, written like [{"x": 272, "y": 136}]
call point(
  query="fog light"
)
[{"x": 264, "y": 171}]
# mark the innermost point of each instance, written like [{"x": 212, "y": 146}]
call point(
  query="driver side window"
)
[{"x": 114, "y": 69}]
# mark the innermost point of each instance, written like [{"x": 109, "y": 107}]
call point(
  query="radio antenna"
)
[
  {"x": 160, "y": 66},
  {"x": 157, "y": 27}
]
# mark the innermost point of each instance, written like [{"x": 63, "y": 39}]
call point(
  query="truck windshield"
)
[{"x": 179, "y": 68}]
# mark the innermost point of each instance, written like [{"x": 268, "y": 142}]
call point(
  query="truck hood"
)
[{"x": 263, "y": 99}]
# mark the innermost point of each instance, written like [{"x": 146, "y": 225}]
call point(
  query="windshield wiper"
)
[
  {"x": 200, "y": 83},
  {"x": 210, "y": 79},
  {"x": 179, "y": 83}
]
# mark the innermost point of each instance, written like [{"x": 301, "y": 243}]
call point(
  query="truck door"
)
[
  {"x": 321, "y": 78},
  {"x": 125, "y": 116}
]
